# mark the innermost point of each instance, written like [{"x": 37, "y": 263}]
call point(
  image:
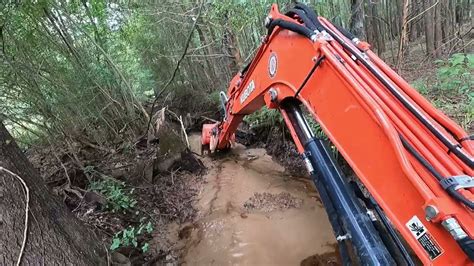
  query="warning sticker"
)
[{"x": 419, "y": 231}]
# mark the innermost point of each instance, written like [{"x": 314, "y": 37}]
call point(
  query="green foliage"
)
[
  {"x": 215, "y": 97},
  {"x": 421, "y": 86},
  {"x": 268, "y": 118},
  {"x": 457, "y": 73},
  {"x": 70, "y": 74},
  {"x": 129, "y": 237},
  {"x": 315, "y": 127},
  {"x": 452, "y": 89},
  {"x": 25, "y": 136},
  {"x": 118, "y": 197},
  {"x": 264, "y": 118}
]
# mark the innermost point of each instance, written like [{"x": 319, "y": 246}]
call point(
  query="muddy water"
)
[{"x": 226, "y": 233}]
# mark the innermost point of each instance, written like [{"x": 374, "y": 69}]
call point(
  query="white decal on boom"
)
[{"x": 250, "y": 88}]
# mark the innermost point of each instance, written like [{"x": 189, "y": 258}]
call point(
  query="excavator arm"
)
[{"x": 412, "y": 199}]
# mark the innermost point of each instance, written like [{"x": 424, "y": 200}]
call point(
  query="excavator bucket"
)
[{"x": 209, "y": 137}]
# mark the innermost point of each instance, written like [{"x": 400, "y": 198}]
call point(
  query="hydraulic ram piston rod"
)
[{"x": 328, "y": 177}]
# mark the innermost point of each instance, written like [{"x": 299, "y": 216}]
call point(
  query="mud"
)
[
  {"x": 268, "y": 202},
  {"x": 284, "y": 224}
]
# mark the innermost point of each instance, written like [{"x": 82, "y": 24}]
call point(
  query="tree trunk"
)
[
  {"x": 438, "y": 30},
  {"x": 429, "y": 32},
  {"x": 369, "y": 25},
  {"x": 55, "y": 236},
  {"x": 402, "y": 47},
  {"x": 377, "y": 28},
  {"x": 231, "y": 47},
  {"x": 374, "y": 34},
  {"x": 357, "y": 19},
  {"x": 412, "y": 26}
]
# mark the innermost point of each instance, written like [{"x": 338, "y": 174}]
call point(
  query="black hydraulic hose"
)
[
  {"x": 420, "y": 158},
  {"x": 467, "y": 245},
  {"x": 302, "y": 15},
  {"x": 345, "y": 32},
  {"x": 451, "y": 191},
  {"x": 295, "y": 27},
  {"x": 459, "y": 197},
  {"x": 315, "y": 66},
  {"x": 455, "y": 149},
  {"x": 312, "y": 15},
  {"x": 471, "y": 137}
]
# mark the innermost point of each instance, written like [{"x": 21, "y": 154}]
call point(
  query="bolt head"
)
[
  {"x": 431, "y": 212},
  {"x": 273, "y": 95}
]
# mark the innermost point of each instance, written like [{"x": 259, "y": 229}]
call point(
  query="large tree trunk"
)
[
  {"x": 377, "y": 28},
  {"x": 429, "y": 31},
  {"x": 231, "y": 47},
  {"x": 55, "y": 236},
  {"x": 374, "y": 34},
  {"x": 357, "y": 19},
  {"x": 438, "y": 30}
]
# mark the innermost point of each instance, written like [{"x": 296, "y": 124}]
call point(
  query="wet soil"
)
[{"x": 251, "y": 212}]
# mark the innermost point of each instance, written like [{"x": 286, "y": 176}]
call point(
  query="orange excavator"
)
[{"x": 412, "y": 200}]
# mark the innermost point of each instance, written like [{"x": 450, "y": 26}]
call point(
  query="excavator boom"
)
[{"x": 412, "y": 199}]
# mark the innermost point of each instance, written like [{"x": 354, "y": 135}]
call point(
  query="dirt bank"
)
[{"x": 250, "y": 212}]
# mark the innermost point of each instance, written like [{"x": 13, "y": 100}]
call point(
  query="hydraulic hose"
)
[
  {"x": 345, "y": 32},
  {"x": 302, "y": 15},
  {"x": 312, "y": 15},
  {"x": 305, "y": 31},
  {"x": 451, "y": 191}
]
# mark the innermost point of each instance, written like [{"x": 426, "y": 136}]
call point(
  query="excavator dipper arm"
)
[{"x": 415, "y": 165}]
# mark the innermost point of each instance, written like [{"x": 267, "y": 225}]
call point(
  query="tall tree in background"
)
[
  {"x": 438, "y": 30},
  {"x": 373, "y": 26},
  {"x": 54, "y": 235},
  {"x": 429, "y": 29},
  {"x": 357, "y": 19},
  {"x": 402, "y": 45}
]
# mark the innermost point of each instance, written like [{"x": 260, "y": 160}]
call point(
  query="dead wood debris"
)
[{"x": 163, "y": 195}]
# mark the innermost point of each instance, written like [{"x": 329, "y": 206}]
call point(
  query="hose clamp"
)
[{"x": 459, "y": 181}]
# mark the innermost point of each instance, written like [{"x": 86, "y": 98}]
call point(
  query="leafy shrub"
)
[
  {"x": 129, "y": 237},
  {"x": 264, "y": 118},
  {"x": 272, "y": 117},
  {"x": 315, "y": 127},
  {"x": 456, "y": 73},
  {"x": 118, "y": 197},
  {"x": 452, "y": 88},
  {"x": 421, "y": 86}
]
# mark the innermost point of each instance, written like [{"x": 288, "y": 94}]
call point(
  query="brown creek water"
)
[{"x": 228, "y": 233}]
